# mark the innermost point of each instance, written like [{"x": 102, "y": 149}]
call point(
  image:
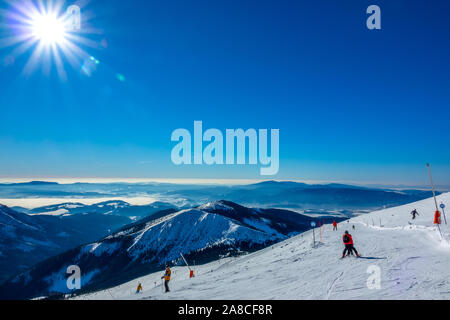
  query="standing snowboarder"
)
[
  {"x": 414, "y": 213},
  {"x": 139, "y": 288},
  {"x": 166, "y": 278},
  {"x": 348, "y": 242},
  {"x": 334, "y": 225}
]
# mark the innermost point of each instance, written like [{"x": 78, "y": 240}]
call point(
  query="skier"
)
[
  {"x": 166, "y": 278},
  {"x": 334, "y": 225},
  {"x": 139, "y": 288},
  {"x": 348, "y": 242},
  {"x": 414, "y": 213}
]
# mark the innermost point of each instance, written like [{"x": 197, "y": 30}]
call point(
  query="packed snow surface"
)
[{"x": 412, "y": 258}]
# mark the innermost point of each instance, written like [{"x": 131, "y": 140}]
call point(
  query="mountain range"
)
[
  {"x": 201, "y": 234},
  {"x": 283, "y": 194},
  {"x": 29, "y": 236}
]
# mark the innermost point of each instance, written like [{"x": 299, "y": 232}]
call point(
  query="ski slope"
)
[{"x": 413, "y": 260}]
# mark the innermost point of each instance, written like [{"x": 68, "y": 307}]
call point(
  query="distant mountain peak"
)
[
  {"x": 37, "y": 182},
  {"x": 115, "y": 203},
  {"x": 30, "y": 183},
  {"x": 217, "y": 205}
]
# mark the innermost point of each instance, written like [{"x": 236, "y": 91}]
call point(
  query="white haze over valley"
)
[{"x": 31, "y": 203}]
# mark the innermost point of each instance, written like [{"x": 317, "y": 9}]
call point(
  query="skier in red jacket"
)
[
  {"x": 348, "y": 242},
  {"x": 334, "y": 225}
]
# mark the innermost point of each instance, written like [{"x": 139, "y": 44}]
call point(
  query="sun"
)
[
  {"x": 49, "y": 33},
  {"x": 49, "y": 29}
]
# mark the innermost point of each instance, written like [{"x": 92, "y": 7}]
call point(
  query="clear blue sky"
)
[{"x": 351, "y": 104}]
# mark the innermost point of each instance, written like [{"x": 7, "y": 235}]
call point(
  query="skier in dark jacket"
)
[
  {"x": 348, "y": 242},
  {"x": 166, "y": 278},
  {"x": 414, "y": 213}
]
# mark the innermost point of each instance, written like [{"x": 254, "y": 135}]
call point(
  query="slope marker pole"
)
[
  {"x": 185, "y": 261},
  {"x": 320, "y": 231},
  {"x": 443, "y": 211},
  {"x": 191, "y": 272},
  {"x": 434, "y": 196},
  {"x": 313, "y": 225},
  {"x": 432, "y": 186}
]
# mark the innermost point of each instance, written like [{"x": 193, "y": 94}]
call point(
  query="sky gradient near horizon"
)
[{"x": 351, "y": 104}]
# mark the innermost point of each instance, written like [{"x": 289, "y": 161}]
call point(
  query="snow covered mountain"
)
[
  {"x": 202, "y": 234},
  {"x": 112, "y": 207},
  {"x": 26, "y": 240},
  {"x": 410, "y": 257},
  {"x": 20, "y": 235},
  {"x": 28, "y": 236}
]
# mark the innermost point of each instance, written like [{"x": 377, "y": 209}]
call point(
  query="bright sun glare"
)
[{"x": 48, "y": 29}]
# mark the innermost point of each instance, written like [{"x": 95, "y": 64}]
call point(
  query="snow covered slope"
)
[
  {"x": 203, "y": 234},
  {"x": 413, "y": 260}
]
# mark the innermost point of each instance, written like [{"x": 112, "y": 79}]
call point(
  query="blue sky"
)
[{"x": 351, "y": 104}]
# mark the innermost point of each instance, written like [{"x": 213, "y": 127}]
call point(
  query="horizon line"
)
[{"x": 206, "y": 181}]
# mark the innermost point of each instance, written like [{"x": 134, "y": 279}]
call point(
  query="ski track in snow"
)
[
  {"x": 413, "y": 259},
  {"x": 330, "y": 289}
]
